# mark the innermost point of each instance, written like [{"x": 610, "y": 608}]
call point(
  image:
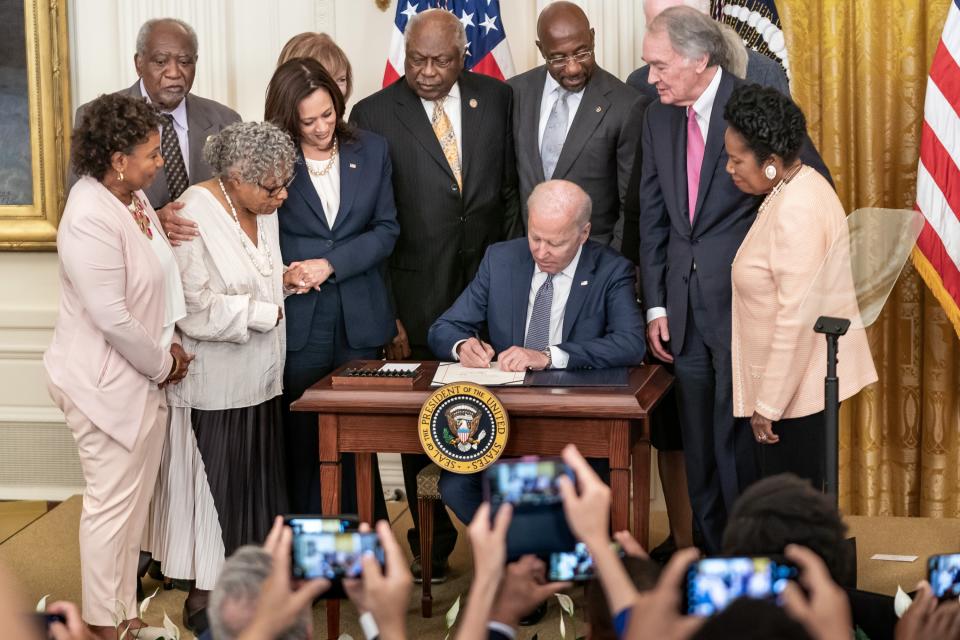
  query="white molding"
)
[
  {"x": 38, "y": 492},
  {"x": 31, "y": 415},
  {"x": 18, "y": 317}
]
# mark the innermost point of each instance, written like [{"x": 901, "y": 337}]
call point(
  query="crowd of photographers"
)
[{"x": 630, "y": 597}]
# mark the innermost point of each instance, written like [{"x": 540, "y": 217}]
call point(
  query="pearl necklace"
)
[
  {"x": 260, "y": 256},
  {"x": 773, "y": 193},
  {"x": 324, "y": 170}
]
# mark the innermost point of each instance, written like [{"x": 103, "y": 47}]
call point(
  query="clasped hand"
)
[
  {"x": 182, "y": 361},
  {"x": 305, "y": 275},
  {"x": 476, "y": 353}
]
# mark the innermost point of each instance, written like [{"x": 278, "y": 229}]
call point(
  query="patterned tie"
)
[
  {"x": 554, "y": 134},
  {"x": 538, "y": 331},
  {"x": 694, "y": 160},
  {"x": 177, "y": 181},
  {"x": 448, "y": 139}
]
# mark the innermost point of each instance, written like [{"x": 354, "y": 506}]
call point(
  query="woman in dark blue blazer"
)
[{"x": 337, "y": 226}]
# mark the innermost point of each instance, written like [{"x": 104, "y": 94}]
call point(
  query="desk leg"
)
[
  {"x": 330, "y": 495},
  {"x": 365, "y": 487},
  {"x": 640, "y": 454},
  {"x": 620, "y": 474}
]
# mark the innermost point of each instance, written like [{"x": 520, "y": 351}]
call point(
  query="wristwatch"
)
[{"x": 549, "y": 355}]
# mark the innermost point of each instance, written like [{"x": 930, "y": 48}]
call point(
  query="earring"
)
[
  {"x": 770, "y": 172},
  {"x": 120, "y": 176}
]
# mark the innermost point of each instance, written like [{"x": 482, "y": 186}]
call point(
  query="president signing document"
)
[{"x": 553, "y": 300}]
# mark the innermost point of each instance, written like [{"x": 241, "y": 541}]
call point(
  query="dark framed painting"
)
[{"x": 34, "y": 121}]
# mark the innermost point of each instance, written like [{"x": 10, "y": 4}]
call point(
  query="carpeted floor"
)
[{"x": 43, "y": 556}]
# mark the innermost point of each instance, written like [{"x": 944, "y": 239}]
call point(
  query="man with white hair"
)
[
  {"x": 455, "y": 184},
  {"x": 693, "y": 219},
  {"x": 552, "y": 300},
  {"x": 166, "y": 64},
  {"x": 760, "y": 69}
]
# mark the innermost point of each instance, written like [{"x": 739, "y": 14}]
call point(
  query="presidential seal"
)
[{"x": 463, "y": 427}]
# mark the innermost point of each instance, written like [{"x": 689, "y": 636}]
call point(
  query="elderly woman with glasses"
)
[{"x": 222, "y": 475}]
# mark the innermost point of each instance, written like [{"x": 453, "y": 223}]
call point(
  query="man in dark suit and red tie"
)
[
  {"x": 692, "y": 221},
  {"x": 455, "y": 184}
]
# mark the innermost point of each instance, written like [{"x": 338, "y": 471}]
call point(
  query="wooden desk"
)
[{"x": 611, "y": 423}]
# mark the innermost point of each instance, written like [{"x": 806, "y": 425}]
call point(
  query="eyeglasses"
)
[
  {"x": 563, "y": 61},
  {"x": 273, "y": 192}
]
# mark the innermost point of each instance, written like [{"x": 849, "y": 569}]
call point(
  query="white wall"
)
[{"x": 239, "y": 44}]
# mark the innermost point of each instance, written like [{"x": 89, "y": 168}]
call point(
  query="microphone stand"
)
[{"x": 832, "y": 328}]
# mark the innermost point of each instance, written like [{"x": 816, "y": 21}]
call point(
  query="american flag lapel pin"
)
[{"x": 584, "y": 283}]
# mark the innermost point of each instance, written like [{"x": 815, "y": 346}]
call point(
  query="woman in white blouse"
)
[{"x": 222, "y": 477}]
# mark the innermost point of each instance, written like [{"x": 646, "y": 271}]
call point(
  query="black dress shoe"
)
[
  {"x": 437, "y": 576},
  {"x": 534, "y": 616},
  {"x": 662, "y": 552},
  {"x": 196, "y": 622}
]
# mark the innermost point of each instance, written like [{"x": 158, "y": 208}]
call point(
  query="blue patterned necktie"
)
[
  {"x": 555, "y": 134},
  {"x": 538, "y": 331}
]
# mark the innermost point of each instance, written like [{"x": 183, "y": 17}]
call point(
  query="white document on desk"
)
[{"x": 491, "y": 376}]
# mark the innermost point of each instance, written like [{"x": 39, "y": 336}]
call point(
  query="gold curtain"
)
[{"x": 859, "y": 71}]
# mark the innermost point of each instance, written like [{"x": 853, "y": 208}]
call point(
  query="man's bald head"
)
[
  {"x": 566, "y": 41},
  {"x": 558, "y": 223},
  {"x": 652, "y": 8}
]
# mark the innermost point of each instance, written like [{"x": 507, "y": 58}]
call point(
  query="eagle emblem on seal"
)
[{"x": 463, "y": 420}]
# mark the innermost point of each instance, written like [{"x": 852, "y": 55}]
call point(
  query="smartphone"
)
[
  {"x": 325, "y": 524},
  {"x": 712, "y": 584},
  {"x": 333, "y": 555},
  {"x": 943, "y": 573},
  {"x": 576, "y": 565},
  {"x": 42, "y": 621},
  {"x": 525, "y": 482}
]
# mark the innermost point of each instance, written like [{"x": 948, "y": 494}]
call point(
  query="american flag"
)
[
  {"x": 937, "y": 254},
  {"x": 758, "y": 23},
  {"x": 487, "y": 49}
]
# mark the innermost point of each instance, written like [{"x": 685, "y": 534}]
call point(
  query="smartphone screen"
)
[
  {"x": 944, "y": 575},
  {"x": 332, "y": 555},
  {"x": 325, "y": 524},
  {"x": 526, "y": 483},
  {"x": 713, "y": 583},
  {"x": 576, "y": 565}
]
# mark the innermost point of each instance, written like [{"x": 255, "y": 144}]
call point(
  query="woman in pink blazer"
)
[
  {"x": 779, "y": 363},
  {"x": 113, "y": 347}
]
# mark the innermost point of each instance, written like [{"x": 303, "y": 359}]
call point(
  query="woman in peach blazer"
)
[
  {"x": 113, "y": 346},
  {"x": 779, "y": 363}
]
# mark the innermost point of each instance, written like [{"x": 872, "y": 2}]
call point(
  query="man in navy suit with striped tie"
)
[{"x": 552, "y": 300}]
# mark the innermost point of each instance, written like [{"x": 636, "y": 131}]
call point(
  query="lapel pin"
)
[
  {"x": 353, "y": 166},
  {"x": 599, "y": 109},
  {"x": 584, "y": 283},
  {"x": 473, "y": 103}
]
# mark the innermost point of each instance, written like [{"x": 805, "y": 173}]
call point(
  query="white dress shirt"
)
[
  {"x": 703, "y": 107},
  {"x": 551, "y": 93},
  {"x": 180, "y": 126},
  {"x": 451, "y": 106},
  {"x": 327, "y": 186},
  {"x": 562, "y": 283}
]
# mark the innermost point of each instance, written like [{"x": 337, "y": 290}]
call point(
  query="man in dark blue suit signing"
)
[{"x": 554, "y": 300}]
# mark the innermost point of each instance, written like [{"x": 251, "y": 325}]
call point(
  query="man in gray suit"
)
[
  {"x": 760, "y": 68},
  {"x": 166, "y": 61},
  {"x": 574, "y": 121}
]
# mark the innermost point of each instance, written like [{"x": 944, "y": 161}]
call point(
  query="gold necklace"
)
[
  {"x": 138, "y": 211},
  {"x": 325, "y": 169}
]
